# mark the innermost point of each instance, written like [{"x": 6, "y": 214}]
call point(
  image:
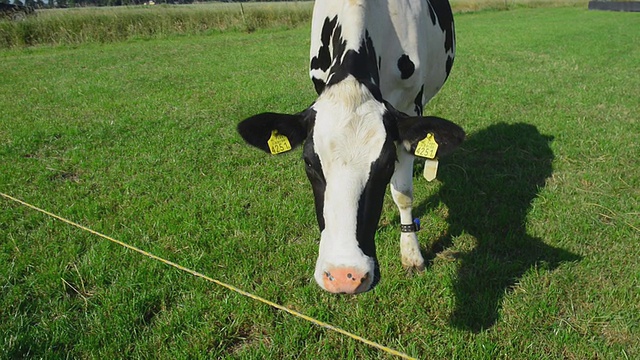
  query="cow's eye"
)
[
  {"x": 389, "y": 167},
  {"x": 307, "y": 162}
]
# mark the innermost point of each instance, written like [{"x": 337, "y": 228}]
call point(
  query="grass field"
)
[
  {"x": 113, "y": 24},
  {"x": 531, "y": 230}
]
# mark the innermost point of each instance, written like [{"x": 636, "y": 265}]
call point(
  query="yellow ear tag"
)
[
  {"x": 278, "y": 143},
  {"x": 427, "y": 147},
  {"x": 430, "y": 169}
]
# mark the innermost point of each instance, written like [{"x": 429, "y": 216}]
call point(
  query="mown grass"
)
[
  {"x": 113, "y": 24},
  {"x": 531, "y": 229}
]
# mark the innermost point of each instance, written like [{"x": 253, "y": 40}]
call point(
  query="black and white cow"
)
[{"x": 372, "y": 63}]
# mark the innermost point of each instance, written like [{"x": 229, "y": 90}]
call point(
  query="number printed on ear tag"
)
[
  {"x": 278, "y": 143},
  {"x": 427, "y": 147}
]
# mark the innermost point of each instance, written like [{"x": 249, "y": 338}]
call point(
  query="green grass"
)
[
  {"x": 531, "y": 229},
  {"x": 114, "y": 24}
]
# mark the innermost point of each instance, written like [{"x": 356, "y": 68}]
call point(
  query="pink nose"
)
[{"x": 346, "y": 280}]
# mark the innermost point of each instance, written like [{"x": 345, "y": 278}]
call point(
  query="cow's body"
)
[
  {"x": 410, "y": 45},
  {"x": 372, "y": 62}
]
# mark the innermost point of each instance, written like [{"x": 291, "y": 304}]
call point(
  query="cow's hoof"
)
[{"x": 413, "y": 268}]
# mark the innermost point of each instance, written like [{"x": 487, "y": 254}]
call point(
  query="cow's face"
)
[{"x": 350, "y": 142}]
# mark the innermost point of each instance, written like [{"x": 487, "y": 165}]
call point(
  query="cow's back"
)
[{"x": 411, "y": 42}]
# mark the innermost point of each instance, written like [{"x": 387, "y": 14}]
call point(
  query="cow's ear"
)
[
  {"x": 422, "y": 132},
  {"x": 274, "y": 133}
]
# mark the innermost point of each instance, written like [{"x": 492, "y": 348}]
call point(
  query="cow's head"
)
[{"x": 350, "y": 141}]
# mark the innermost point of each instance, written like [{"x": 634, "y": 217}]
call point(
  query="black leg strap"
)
[
  {"x": 408, "y": 228},
  {"x": 413, "y": 227}
]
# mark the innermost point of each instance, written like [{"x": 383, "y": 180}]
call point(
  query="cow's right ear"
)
[
  {"x": 274, "y": 133},
  {"x": 445, "y": 135}
]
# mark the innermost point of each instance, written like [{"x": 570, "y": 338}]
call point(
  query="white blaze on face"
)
[{"x": 348, "y": 137}]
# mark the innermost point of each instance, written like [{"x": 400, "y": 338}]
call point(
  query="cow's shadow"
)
[{"x": 488, "y": 187}]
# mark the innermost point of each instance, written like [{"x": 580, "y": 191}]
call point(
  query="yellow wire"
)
[{"x": 230, "y": 287}]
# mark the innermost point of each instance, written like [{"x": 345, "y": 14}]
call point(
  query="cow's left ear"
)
[
  {"x": 274, "y": 133},
  {"x": 413, "y": 131}
]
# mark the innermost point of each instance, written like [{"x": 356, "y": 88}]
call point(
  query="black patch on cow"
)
[
  {"x": 406, "y": 66},
  {"x": 361, "y": 64},
  {"x": 432, "y": 15},
  {"x": 442, "y": 10},
  {"x": 330, "y": 32},
  {"x": 418, "y": 101},
  {"x": 372, "y": 198},
  {"x": 390, "y": 121},
  {"x": 315, "y": 174},
  {"x": 319, "y": 85},
  {"x": 323, "y": 59},
  {"x": 449, "y": 65}
]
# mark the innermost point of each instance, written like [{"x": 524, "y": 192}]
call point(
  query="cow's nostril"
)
[{"x": 328, "y": 276}]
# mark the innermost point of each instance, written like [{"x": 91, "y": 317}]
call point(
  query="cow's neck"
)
[{"x": 345, "y": 45}]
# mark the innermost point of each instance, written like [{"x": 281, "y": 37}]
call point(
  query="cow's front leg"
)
[{"x": 402, "y": 192}]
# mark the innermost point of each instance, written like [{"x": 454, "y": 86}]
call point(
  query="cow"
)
[{"x": 374, "y": 65}]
